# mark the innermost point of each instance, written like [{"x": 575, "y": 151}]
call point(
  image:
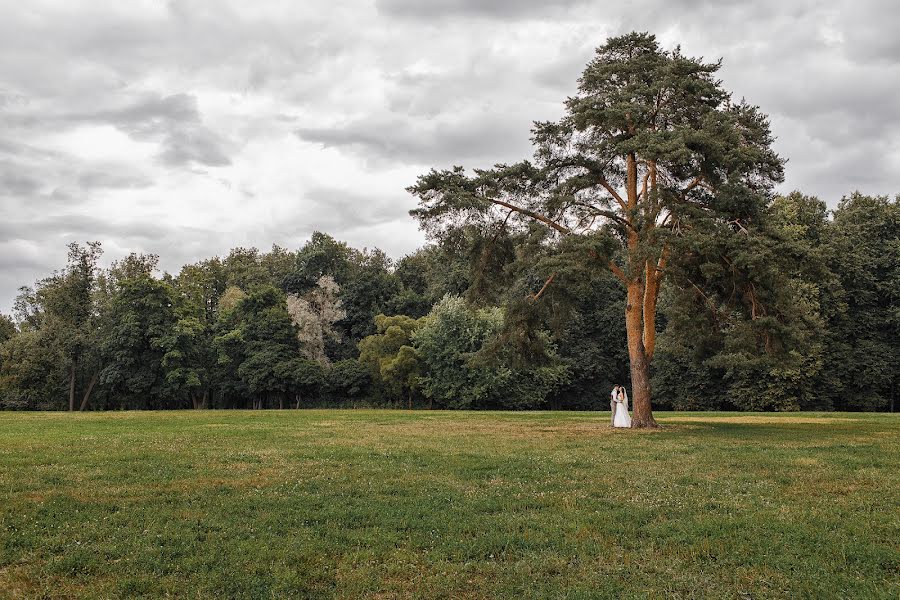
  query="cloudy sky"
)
[{"x": 187, "y": 127}]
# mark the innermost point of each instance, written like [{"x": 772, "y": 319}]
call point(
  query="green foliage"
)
[
  {"x": 142, "y": 317},
  {"x": 321, "y": 255},
  {"x": 794, "y": 308},
  {"x": 391, "y": 358},
  {"x": 863, "y": 250},
  {"x": 202, "y": 287},
  {"x": 821, "y": 270},
  {"x": 367, "y": 287},
  {"x": 61, "y": 307},
  {"x": 7, "y": 328},
  {"x": 303, "y": 377},
  {"x": 348, "y": 379},
  {"x": 187, "y": 360},
  {"x": 258, "y": 337},
  {"x": 451, "y": 336},
  {"x": 460, "y": 375},
  {"x": 32, "y": 373},
  {"x": 366, "y": 294},
  {"x": 750, "y": 337},
  {"x": 8, "y": 385},
  {"x": 591, "y": 343}
]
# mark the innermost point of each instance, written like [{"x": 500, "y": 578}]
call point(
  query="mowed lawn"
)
[{"x": 399, "y": 504}]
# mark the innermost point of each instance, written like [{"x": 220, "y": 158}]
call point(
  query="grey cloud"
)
[
  {"x": 561, "y": 75},
  {"x": 13, "y": 263},
  {"x": 479, "y": 138},
  {"x": 91, "y": 180},
  {"x": 78, "y": 226},
  {"x": 148, "y": 114},
  {"x": 32, "y": 249},
  {"x": 335, "y": 211},
  {"x": 32, "y": 176},
  {"x": 869, "y": 32},
  {"x": 19, "y": 269},
  {"x": 14, "y": 183},
  {"x": 336, "y": 208},
  {"x": 397, "y": 85},
  {"x": 200, "y": 146},
  {"x": 174, "y": 121},
  {"x": 497, "y": 9}
]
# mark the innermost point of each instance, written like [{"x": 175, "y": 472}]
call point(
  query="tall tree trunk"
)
[
  {"x": 204, "y": 404},
  {"x": 642, "y": 415},
  {"x": 72, "y": 386},
  {"x": 90, "y": 388}
]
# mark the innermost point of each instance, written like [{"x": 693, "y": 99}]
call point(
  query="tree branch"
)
[
  {"x": 612, "y": 192},
  {"x": 489, "y": 248},
  {"x": 661, "y": 264},
  {"x": 585, "y": 163},
  {"x": 605, "y": 213},
  {"x": 618, "y": 272},
  {"x": 643, "y": 192},
  {"x": 694, "y": 183},
  {"x": 705, "y": 297},
  {"x": 530, "y": 213},
  {"x": 741, "y": 227},
  {"x": 535, "y": 297}
]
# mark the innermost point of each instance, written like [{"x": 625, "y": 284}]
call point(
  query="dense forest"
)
[
  {"x": 643, "y": 244},
  {"x": 330, "y": 325}
]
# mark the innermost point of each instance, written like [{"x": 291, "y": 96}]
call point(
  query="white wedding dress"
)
[{"x": 622, "y": 418}]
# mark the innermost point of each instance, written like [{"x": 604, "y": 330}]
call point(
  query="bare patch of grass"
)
[{"x": 759, "y": 419}]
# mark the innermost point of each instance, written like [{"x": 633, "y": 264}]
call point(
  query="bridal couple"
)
[{"x": 619, "y": 406}]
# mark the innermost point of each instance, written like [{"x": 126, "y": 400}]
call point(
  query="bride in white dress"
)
[{"x": 622, "y": 418}]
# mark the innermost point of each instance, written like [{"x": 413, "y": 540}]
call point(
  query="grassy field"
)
[{"x": 395, "y": 504}]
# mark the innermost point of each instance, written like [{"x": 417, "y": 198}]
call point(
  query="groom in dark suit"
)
[{"x": 612, "y": 405}]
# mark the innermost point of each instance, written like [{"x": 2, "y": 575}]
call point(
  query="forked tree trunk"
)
[
  {"x": 642, "y": 415},
  {"x": 87, "y": 393},
  {"x": 638, "y": 302}
]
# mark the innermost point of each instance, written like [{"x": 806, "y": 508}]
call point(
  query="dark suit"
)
[{"x": 612, "y": 407}]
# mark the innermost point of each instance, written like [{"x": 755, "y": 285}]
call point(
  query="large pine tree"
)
[{"x": 650, "y": 148}]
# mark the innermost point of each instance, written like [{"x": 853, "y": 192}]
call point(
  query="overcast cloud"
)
[{"x": 188, "y": 127}]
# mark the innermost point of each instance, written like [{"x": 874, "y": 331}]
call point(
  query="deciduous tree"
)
[{"x": 390, "y": 355}]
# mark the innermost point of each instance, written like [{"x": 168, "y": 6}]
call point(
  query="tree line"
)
[{"x": 466, "y": 323}]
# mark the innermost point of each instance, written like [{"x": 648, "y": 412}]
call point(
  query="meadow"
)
[{"x": 422, "y": 504}]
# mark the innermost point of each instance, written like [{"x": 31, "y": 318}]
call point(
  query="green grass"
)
[{"x": 395, "y": 504}]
